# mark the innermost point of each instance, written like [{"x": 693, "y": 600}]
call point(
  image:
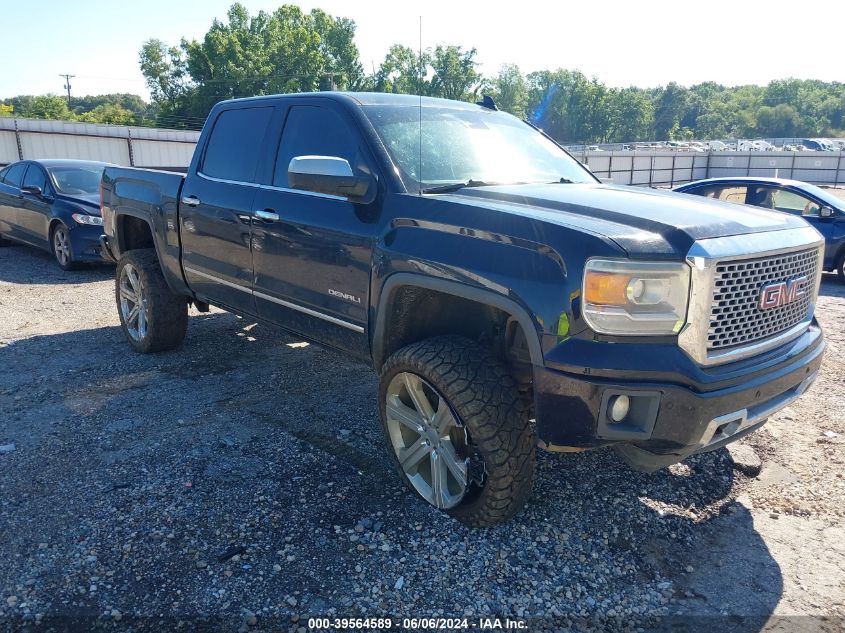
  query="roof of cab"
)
[{"x": 366, "y": 99}]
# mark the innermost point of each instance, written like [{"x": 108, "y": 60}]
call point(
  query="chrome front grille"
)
[{"x": 736, "y": 319}]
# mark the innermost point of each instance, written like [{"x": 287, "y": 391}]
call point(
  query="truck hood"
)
[{"x": 642, "y": 221}]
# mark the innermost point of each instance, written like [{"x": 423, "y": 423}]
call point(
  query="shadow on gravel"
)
[
  {"x": 41, "y": 268},
  {"x": 246, "y": 474},
  {"x": 831, "y": 286}
]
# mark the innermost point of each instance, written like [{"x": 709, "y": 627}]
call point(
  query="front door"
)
[
  {"x": 312, "y": 252},
  {"x": 215, "y": 209},
  {"x": 34, "y": 212}
]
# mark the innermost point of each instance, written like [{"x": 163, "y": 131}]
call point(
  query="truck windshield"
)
[{"x": 462, "y": 145}]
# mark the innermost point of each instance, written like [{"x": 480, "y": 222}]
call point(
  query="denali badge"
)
[
  {"x": 344, "y": 295},
  {"x": 782, "y": 293}
]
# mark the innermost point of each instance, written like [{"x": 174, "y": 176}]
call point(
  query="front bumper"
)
[
  {"x": 105, "y": 249},
  {"x": 85, "y": 241},
  {"x": 697, "y": 408}
]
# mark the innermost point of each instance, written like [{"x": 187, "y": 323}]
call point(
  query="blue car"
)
[
  {"x": 53, "y": 205},
  {"x": 823, "y": 210}
]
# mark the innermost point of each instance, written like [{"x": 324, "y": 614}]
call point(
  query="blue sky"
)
[{"x": 621, "y": 42}]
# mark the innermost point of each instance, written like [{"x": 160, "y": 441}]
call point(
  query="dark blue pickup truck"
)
[{"x": 506, "y": 297}]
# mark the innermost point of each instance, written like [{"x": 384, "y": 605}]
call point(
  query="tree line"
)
[{"x": 289, "y": 50}]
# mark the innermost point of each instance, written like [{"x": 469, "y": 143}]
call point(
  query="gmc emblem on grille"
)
[{"x": 782, "y": 293}]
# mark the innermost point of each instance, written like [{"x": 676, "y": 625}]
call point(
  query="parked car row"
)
[{"x": 742, "y": 145}]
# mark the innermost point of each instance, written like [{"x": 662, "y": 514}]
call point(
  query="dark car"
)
[
  {"x": 823, "y": 210},
  {"x": 54, "y": 205}
]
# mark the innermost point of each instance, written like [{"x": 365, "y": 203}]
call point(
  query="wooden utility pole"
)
[{"x": 67, "y": 77}]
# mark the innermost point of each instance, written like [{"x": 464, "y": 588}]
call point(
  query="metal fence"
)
[
  {"x": 172, "y": 149},
  {"x": 669, "y": 168},
  {"x": 122, "y": 145}
]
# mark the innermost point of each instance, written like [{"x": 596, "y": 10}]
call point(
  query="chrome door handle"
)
[
  {"x": 191, "y": 201},
  {"x": 267, "y": 215}
]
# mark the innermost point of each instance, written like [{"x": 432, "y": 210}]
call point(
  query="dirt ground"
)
[{"x": 241, "y": 482}]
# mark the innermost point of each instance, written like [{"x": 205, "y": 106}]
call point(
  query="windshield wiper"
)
[{"x": 455, "y": 186}]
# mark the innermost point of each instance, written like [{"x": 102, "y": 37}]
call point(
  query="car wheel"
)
[
  {"x": 62, "y": 247},
  {"x": 458, "y": 429},
  {"x": 840, "y": 269},
  {"x": 153, "y": 319}
]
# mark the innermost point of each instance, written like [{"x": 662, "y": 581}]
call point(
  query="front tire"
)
[
  {"x": 458, "y": 430},
  {"x": 153, "y": 319},
  {"x": 840, "y": 268},
  {"x": 62, "y": 247}
]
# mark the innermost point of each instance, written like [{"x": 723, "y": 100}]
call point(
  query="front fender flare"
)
[{"x": 473, "y": 293}]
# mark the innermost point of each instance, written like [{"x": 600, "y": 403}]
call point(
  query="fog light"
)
[{"x": 618, "y": 407}]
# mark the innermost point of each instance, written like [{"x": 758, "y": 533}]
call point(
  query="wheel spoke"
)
[
  {"x": 132, "y": 276},
  {"x": 442, "y": 418},
  {"x": 439, "y": 489},
  {"x": 414, "y": 386},
  {"x": 128, "y": 294},
  {"x": 133, "y": 315},
  {"x": 405, "y": 415},
  {"x": 413, "y": 455},
  {"x": 142, "y": 321},
  {"x": 457, "y": 468}
]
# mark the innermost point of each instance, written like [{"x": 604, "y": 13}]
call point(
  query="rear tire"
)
[
  {"x": 62, "y": 247},
  {"x": 153, "y": 319},
  {"x": 489, "y": 433}
]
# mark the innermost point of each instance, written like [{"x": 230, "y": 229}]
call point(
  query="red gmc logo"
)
[{"x": 782, "y": 293}]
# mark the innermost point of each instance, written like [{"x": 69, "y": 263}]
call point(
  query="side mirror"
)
[
  {"x": 329, "y": 175},
  {"x": 32, "y": 190},
  {"x": 826, "y": 212}
]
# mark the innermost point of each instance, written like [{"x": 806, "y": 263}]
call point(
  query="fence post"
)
[
  {"x": 633, "y": 160},
  {"x": 18, "y": 141},
  {"x": 651, "y": 171},
  {"x": 838, "y": 167},
  {"x": 610, "y": 167},
  {"x": 129, "y": 143},
  {"x": 672, "y": 173},
  {"x": 792, "y": 167}
]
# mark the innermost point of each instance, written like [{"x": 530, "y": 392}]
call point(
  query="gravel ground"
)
[{"x": 241, "y": 483}]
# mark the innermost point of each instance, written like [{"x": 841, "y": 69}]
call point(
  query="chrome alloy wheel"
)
[
  {"x": 133, "y": 303},
  {"x": 61, "y": 246},
  {"x": 428, "y": 440}
]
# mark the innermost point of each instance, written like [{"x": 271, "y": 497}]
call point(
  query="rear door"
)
[
  {"x": 34, "y": 212},
  {"x": 11, "y": 200},
  {"x": 216, "y": 204},
  {"x": 313, "y": 252}
]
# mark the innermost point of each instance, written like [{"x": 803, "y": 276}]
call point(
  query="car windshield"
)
[
  {"x": 76, "y": 180},
  {"x": 469, "y": 145}
]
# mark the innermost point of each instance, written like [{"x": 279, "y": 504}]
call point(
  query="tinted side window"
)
[
  {"x": 14, "y": 176},
  {"x": 315, "y": 131},
  {"x": 791, "y": 202},
  {"x": 235, "y": 143},
  {"x": 35, "y": 178}
]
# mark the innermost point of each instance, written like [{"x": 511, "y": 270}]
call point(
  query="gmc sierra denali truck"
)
[{"x": 505, "y": 296}]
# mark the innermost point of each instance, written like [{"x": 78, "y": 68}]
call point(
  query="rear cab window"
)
[{"x": 234, "y": 146}]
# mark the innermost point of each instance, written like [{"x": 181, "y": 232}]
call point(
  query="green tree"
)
[
  {"x": 670, "y": 105},
  {"x": 509, "y": 90},
  {"x": 403, "y": 72},
  {"x": 111, "y": 113},
  {"x": 455, "y": 75}
]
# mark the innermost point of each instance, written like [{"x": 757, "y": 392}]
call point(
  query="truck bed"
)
[{"x": 151, "y": 196}]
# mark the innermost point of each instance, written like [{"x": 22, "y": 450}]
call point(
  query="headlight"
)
[
  {"x": 84, "y": 218},
  {"x": 629, "y": 298}
]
